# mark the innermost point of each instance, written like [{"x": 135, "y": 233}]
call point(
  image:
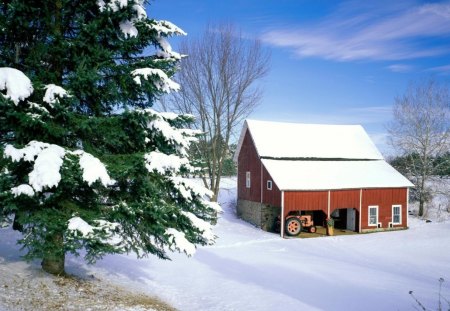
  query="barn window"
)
[
  {"x": 373, "y": 215},
  {"x": 269, "y": 185},
  {"x": 396, "y": 214},
  {"x": 247, "y": 179}
]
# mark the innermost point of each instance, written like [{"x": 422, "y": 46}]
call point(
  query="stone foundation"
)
[{"x": 260, "y": 215}]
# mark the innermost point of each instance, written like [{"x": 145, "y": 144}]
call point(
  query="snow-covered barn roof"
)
[
  {"x": 309, "y": 141},
  {"x": 329, "y": 175},
  {"x": 320, "y": 157}
]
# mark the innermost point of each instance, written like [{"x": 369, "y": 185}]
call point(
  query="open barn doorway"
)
[{"x": 345, "y": 218}]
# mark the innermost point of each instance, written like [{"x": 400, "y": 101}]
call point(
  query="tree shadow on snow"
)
[{"x": 308, "y": 287}]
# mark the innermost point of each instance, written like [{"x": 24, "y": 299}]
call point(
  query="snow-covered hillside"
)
[{"x": 249, "y": 269}]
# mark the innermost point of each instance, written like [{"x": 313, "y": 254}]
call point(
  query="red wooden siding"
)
[
  {"x": 248, "y": 160},
  {"x": 272, "y": 197},
  {"x": 344, "y": 199},
  {"x": 384, "y": 199},
  {"x": 305, "y": 201}
]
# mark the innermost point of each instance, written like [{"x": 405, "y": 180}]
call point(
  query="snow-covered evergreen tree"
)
[{"x": 85, "y": 162}]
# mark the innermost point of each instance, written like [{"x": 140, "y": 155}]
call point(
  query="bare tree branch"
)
[
  {"x": 420, "y": 132},
  {"x": 219, "y": 87}
]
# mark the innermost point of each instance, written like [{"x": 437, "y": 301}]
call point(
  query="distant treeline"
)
[{"x": 440, "y": 166}]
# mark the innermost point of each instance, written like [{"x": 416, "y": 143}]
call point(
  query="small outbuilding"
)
[{"x": 325, "y": 171}]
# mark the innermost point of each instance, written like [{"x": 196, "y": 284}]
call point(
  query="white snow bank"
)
[
  {"x": 179, "y": 242},
  {"x": 162, "y": 83},
  {"x": 52, "y": 92},
  {"x": 17, "y": 85},
  {"x": 359, "y": 272}
]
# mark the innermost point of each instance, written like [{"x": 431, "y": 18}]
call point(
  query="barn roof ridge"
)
[{"x": 274, "y": 139}]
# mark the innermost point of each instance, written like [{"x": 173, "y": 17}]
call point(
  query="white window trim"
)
[
  {"x": 269, "y": 182},
  {"x": 247, "y": 179},
  {"x": 400, "y": 214},
  {"x": 368, "y": 216}
]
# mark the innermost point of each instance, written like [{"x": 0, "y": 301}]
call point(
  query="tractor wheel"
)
[
  {"x": 313, "y": 229},
  {"x": 293, "y": 226}
]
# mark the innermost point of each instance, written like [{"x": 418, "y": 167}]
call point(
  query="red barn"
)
[{"x": 319, "y": 170}]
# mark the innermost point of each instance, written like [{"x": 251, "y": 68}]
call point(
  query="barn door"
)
[{"x": 351, "y": 219}]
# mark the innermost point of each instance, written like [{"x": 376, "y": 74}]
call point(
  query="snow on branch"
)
[
  {"x": 163, "y": 163},
  {"x": 162, "y": 83},
  {"x": 79, "y": 226},
  {"x": 45, "y": 173},
  {"x": 114, "y": 5},
  {"x": 127, "y": 27},
  {"x": 181, "y": 138},
  {"x": 167, "y": 51},
  {"x": 52, "y": 92},
  {"x": 166, "y": 28},
  {"x": 213, "y": 205},
  {"x": 93, "y": 169},
  {"x": 187, "y": 187},
  {"x": 202, "y": 225},
  {"x": 22, "y": 189},
  {"x": 178, "y": 241},
  {"x": 48, "y": 159},
  {"x": 17, "y": 85}
]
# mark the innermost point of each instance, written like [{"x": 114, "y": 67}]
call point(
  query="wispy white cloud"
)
[
  {"x": 440, "y": 69},
  {"x": 360, "y": 32},
  {"x": 402, "y": 68}
]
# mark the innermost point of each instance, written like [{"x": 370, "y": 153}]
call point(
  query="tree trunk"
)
[
  {"x": 421, "y": 204},
  {"x": 53, "y": 261},
  {"x": 16, "y": 224}
]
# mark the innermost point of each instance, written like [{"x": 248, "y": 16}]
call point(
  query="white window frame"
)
[
  {"x": 368, "y": 216},
  {"x": 247, "y": 179},
  {"x": 269, "y": 185},
  {"x": 399, "y": 214}
]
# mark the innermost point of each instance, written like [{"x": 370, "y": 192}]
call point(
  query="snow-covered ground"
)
[{"x": 249, "y": 269}]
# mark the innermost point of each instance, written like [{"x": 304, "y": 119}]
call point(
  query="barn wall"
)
[
  {"x": 248, "y": 160},
  {"x": 271, "y": 197},
  {"x": 305, "y": 201},
  {"x": 261, "y": 215},
  {"x": 344, "y": 199},
  {"x": 384, "y": 199}
]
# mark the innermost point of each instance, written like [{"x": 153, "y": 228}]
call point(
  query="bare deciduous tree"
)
[
  {"x": 219, "y": 78},
  {"x": 420, "y": 132}
]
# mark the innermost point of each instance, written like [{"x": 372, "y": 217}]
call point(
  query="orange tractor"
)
[{"x": 295, "y": 224}]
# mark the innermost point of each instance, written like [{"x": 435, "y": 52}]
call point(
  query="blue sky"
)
[{"x": 336, "y": 62}]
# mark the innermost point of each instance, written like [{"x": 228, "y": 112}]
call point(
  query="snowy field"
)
[{"x": 249, "y": 269}]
